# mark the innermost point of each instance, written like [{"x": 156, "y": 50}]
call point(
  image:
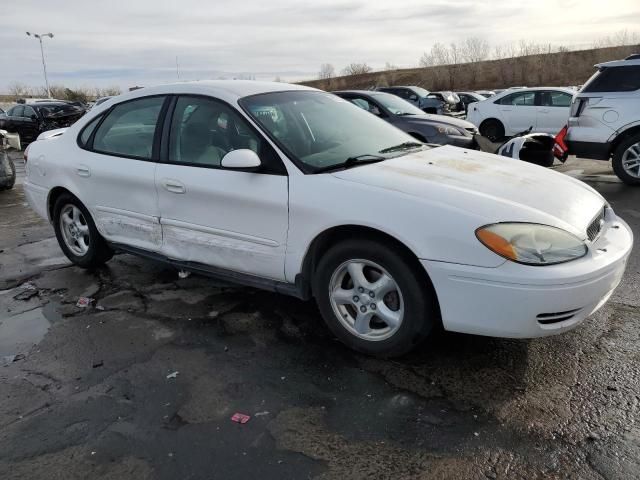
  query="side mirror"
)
[
  {"x": 376, "y": 111},
  {"x": 241, "y": 158}
]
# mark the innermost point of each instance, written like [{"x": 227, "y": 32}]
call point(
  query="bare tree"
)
[
  {"x": 356, "y": 69},
  {"x": 18, "y": 89},
  {"x": 475, "y": 49},
  {"x": 326, "y": 71}
]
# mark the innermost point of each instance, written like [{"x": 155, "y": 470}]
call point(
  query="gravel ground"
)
[{"x": 142, "y": 384}]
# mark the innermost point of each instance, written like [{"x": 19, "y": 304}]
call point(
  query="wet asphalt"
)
[{"x": 143, "y": 382}]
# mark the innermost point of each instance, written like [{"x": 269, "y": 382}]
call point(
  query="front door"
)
[
  {"x": 231, "y": 219},
  {"x": 115, "y": 173}
]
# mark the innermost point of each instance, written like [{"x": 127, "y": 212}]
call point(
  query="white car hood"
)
[{"x": 499, "y": 189}]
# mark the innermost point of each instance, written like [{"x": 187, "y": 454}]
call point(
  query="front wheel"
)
[
  {"x": 492, "y": 129},
  {"x": 373, "y": 298},
  {"x": 626, "y": 161},
  {"x": 77, "y": 234}
]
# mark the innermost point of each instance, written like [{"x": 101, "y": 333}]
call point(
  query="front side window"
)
[
  {"x": 319, "y": 130},
  {"x": 28, "y": 112},
  {"x": 129, "y": 128},
  {"x": 204, "y": 130},
  {"x": 523, "y": 99},
  {"x": 614, "y": 79}
]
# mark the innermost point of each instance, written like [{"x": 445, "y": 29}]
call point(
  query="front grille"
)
[
  {"x": 556, "y": 317},
  {"x": 595, "y": 227}
]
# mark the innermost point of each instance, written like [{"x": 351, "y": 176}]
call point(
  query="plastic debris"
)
[
  {"x": 98, "y": 364},
  {"x": 260, "y": 414},
  {"x": 240, "y": 418},
  {"x": 173, "y": 374},
  {"x": 28, "y": 286},
  {"x": 183, "y": 274},
  {"x": 99, "y": 307},
  {"x": 84, "y": 302}
]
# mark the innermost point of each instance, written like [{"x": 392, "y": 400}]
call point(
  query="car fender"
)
[{"x": 623, "y": 130}]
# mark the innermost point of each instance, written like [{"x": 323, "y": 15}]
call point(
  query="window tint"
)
[
  {"x": 555, "y": 99},
  {"x": 16, "y": 111},
  {"x": 28, "y": 111},
  {"x": 526, "y": 99},
  {"x": 88, "y": 130},
  {"x": 615, "y": 79},
  {"x": 129, "y": 128},
  {"x": 203, "y": 131}
]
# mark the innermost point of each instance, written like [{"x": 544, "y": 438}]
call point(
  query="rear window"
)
[{"x": 615, "y": 79}]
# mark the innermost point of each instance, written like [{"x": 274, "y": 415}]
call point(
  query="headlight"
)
[
  {"x": 531, "y": 243},
  {"x": 450, "y": 131}
]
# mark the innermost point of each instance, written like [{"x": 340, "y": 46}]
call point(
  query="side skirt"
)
[{"x": 299, "y": 289}]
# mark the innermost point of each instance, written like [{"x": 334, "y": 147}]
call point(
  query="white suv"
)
[{"x": 605, "y": 118}]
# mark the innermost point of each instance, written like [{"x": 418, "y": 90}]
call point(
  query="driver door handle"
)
[{"x": 173, "y": 186}]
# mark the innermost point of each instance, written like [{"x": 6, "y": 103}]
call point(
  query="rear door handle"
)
[
  {"x": 83, "y": 171},
  {"x": 173, "y": 186}
]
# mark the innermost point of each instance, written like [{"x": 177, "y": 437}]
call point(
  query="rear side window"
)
[
  {"x": 128, "y": 129},
  {"x": 555, "y": 99},
  {"x": 523, "y": 99},
  {"x": 16, "y": 111},
  {"x": 86, "y": 132},
  {"x": 615, "y": 79}
]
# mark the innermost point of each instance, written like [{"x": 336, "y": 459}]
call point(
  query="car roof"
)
[
  {"x": 509, "y": 91},
  {"x": 362, "y": 92},
  {"x": 618, "y": 63},
  {"x": 229, "y": 90}
]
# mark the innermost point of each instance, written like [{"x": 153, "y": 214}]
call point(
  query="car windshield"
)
[
  {"x": 420, "y": 91},
  {"x": 396, "y": 105},
  {"x": 320, "y": 130}
]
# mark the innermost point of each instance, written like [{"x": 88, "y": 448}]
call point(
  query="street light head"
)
[
  {"x": 50, "y": 35},
  {"x": 29, "y": 33}
]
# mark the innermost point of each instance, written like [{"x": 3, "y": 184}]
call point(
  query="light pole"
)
[{"x": 44, "y": 65}]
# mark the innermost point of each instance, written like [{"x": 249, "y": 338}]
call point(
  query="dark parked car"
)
[
  {"x": 420, "y": 98},
  {"x": 469, "y": 97},
  {"x": 428, "y": 128},
  {"x": 30, "y": 120}
]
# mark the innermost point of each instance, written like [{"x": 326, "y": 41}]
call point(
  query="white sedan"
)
[
  {"x": 297, "y": 191},
  {"x": 543, "y": 109}
]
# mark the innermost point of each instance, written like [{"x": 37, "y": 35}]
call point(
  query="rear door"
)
[
  {"x": 115, "y": 175},
  {"x": 553, "y": 110},
  {"x": 13, "y": 120},
  {"x": 236, "y": 220},
  {"x": 30, "y": 123},
  {"x": 518, "y": 111}
]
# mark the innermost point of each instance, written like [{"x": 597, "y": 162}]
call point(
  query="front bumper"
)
[{"x": 520, "y": 301}]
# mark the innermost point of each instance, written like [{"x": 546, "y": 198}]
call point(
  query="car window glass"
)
[
  {"x": 28, "y": 112},
  {"x": 320, "y": 129},
  {"x": 88, "y": 130},
  {"x": 526, "y": 99},
  {"x": 203, "y": 131},
  {"x": 558, "y": 99},
  {"x": 615, "y": 79},
  {"x": 129, "y": 128},
  {"x": 16, "y": 111},
  {"x": 397, "y": 106},
  {"x": 366, "y": 104}
]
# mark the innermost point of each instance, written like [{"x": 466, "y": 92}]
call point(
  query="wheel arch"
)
[
  {"x": 334, "y": 235},
  {"x": 629, "y": 131},
  {"x": 53, "y": 196}
]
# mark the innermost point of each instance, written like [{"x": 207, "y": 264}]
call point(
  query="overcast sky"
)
[{"x": 135, "y": 42}]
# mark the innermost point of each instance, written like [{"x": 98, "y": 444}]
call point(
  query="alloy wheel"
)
[
  {"x": 366, "y": 299},
  {"x": 631, "y": 160},
  {"x": 75, "y": 230}
]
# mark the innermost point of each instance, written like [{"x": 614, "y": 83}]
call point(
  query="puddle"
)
[{"x": 19, "y": 333}]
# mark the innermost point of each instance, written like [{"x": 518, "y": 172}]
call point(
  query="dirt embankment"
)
[{"x": 561, "y": 69}]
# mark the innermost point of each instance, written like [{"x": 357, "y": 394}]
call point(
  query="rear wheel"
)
[
  {"x": 373, "y": 299},
  {"x": 492, "y": 129},
  {"x": 77, "y": 234},
  {"x": 626, "y": 161}
]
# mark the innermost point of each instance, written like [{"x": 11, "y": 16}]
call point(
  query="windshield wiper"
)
[
  {"x": 352, "y": 161},
  {"x": 402, "y": 146}
]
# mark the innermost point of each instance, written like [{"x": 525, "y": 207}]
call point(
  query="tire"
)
[
  {"x": 87, "y": 249},
  {"x": 492, "y": 129},
  {"x": 409, "y": 300},
  {"x": 628, "y": 153}
]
